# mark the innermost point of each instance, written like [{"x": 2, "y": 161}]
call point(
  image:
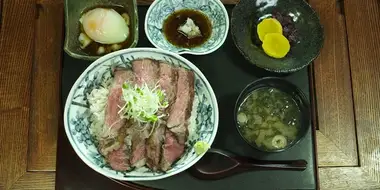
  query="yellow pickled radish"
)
[
  {"x": 276, "y": 45},
  {"x": 267, "y": 26}
]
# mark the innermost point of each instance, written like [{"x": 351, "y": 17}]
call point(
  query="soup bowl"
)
[{"x": 286, "y": 87}]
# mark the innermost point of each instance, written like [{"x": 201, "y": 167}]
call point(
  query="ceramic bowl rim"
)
[
  {"x": 249, "y": 88},
  {"x": 126, "y": 51},
  {"x": 189, "y": 51}
]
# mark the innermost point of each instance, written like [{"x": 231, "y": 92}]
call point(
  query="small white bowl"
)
[
  {"x": 161, "y": 9},
  {"x": 77, "y": 117}
]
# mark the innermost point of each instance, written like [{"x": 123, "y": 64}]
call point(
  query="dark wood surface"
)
[
  {"x": 30, "y": 44},
  {"x": 364, "y": 56},
  {"x": 148, "y": 2},
  {"x": 336, "y": 133},
  {"x": 45, "y": 82},
  {"x": 346, "y": 81}
]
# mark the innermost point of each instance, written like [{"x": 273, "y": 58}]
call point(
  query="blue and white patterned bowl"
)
[
  {"x": 77, "y": 114},
  {"x": 161, "y": 9}
]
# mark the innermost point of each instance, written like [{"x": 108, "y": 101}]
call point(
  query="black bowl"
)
[
  {"x": 284, "y": 86},
  {"x": 308, "y": 36}
]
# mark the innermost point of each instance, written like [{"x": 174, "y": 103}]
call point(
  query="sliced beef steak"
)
[
  {"x": 180, "y": 111},
  {"x": 113, "y": 122},
  {"x": 138, "y": 139},
  {"x": 146, "y": 71},
  {"x": 108, "y": 145},
  {"x": 118, "y": 159},
  {"x": 117, "y": 151},
  {"x": 168, "y": 81},
  {"x": 172, "y": 150},
  {"x": 112, "y": 145},
  {"x": 181, "y": 132},
  {"x": 154, "y": 147},
  {"x": 122, "y": 75}
]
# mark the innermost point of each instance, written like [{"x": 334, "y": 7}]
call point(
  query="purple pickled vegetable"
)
[{"x": 288, "y": 26}]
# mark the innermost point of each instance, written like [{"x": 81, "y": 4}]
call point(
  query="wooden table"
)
[{"x": 346, "y": 78}]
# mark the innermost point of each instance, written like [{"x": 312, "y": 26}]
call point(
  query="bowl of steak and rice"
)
[{"x": 106, "y": 133}]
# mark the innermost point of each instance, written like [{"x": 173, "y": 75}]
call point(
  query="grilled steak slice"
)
[
  {"x": 146, "y": 71},
  {"x": 180, "y": 111},
  {"x": 117, "y": 150},
  {"x": 118, "y": 159},
  {"x": 122, "y": 75},
  {"x": 181, "y": 132},
  {"x": 113, "y": 122},
  {"x": 112, "y": 145},
  {"x": 108, "y": 145},
  {"x": 172, "y": 151},
  {"x": 138, "y": 139},
  {"x": 168, "y": 81},
  {"x": 154, "y": 147}
]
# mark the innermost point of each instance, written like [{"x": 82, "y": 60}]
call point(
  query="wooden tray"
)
[{"x": 228, "y": 72}]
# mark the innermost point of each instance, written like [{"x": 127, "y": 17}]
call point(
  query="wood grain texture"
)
[
  {"x": 329, "y": 154},
  {"x": 1, "y": 12},
  {"x": 337, "y": 138},
  {"x": 148, "y": 2},
  {"x": 344, "y": 178},
  {"x": 363, "y": 28},
  {"x": 45, "y": 97},
  {"x": 35, "y": 181},
  {"x": 13, "y": 146},
  {"x": 16, "y": 52}
]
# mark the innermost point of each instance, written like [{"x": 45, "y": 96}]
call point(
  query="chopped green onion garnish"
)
[{"x": 142, "y": 103}]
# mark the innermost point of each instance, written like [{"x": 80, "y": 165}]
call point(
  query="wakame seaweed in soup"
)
[{"x": 269, "y": 119}]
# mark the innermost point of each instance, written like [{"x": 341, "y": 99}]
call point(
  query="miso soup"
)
[{"x": 269, "y": 119}]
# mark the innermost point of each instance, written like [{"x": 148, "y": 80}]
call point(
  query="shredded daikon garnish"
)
[
  {"x": 143, "y": 104},
  {"x": 189, "y": 29}
]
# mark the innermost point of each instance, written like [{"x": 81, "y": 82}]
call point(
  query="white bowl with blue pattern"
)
[
  {"x": 161, "y": 9},
  {"x": 77, "y": 114}
]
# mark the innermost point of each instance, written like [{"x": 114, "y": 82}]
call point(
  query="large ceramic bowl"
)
[
  {"x": 77, "y": 115},
  {"x": 161, "y": 9},
  {"x": 248, "y": 13}
]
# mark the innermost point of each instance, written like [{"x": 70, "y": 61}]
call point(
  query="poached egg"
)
[{"x": 105, "y": 26}]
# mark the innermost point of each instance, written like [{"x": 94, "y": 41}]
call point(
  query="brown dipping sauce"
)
[
  {"x": 93, "y": 47},
  {"x": 179, "y": 18}
]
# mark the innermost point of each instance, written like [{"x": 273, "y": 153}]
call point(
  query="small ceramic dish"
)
[
  {"x": 284, "y": 86},
  {"x": 309, "y": 33},
  {"x": 74, "y": 10},
  {"x": 161, "y": 9}
]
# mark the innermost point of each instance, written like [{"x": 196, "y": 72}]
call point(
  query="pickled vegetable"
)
[
  {"x": 268, "y": 26},
  {"x": 276, "y": 45},
  {"x": 201, "y": 147}
]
